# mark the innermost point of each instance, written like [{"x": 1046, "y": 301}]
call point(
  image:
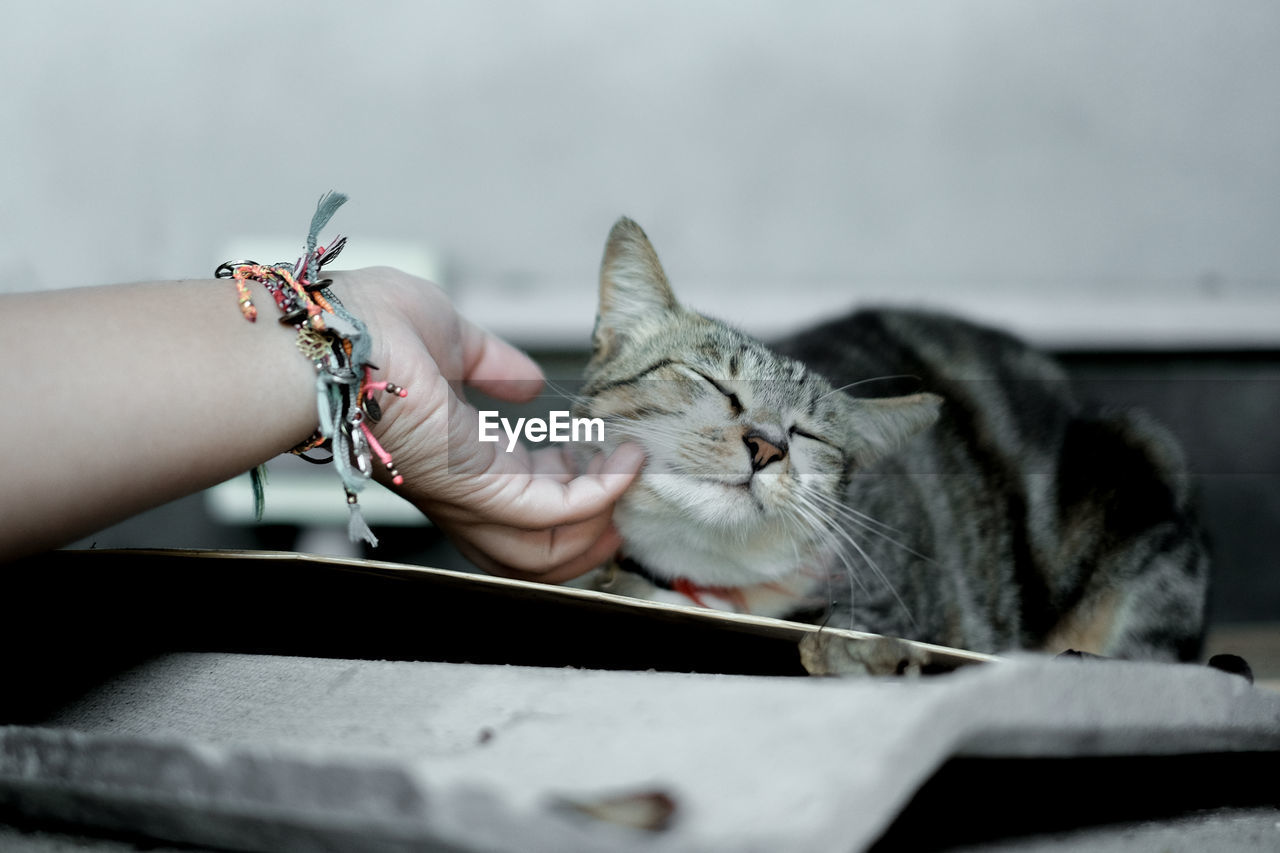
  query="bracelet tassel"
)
[{"x": 339, "y": 346}]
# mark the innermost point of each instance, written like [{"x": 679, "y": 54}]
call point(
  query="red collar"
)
[
  {"x": 694, "y": 592},
  {"x": 690, "y": 590}
]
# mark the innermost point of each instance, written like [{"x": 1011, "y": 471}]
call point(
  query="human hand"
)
[{"x": 524, "y": 514}]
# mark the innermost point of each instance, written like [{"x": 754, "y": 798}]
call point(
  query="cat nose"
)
[{"x": 763, "y": 451}]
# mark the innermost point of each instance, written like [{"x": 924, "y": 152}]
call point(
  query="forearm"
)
[{"x": 123, "y": 397}]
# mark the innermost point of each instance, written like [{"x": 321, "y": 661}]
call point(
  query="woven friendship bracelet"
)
[{"x": 338, "y": 345}]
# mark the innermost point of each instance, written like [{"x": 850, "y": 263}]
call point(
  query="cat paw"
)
[{"x": 826, "y": 654}]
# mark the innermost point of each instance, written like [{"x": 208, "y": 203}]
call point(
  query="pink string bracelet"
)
[{"x": 338, "y": 345}]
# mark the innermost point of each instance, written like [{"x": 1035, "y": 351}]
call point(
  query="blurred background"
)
[{"x": 1100, "y": 177}]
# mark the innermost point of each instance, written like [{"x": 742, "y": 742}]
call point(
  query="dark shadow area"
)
[
  {"x": 976, "y": 800},
  {"x": 54, "y": 836},
  {"x": 1222, "y": 407},
  {"x": 80, "y": 616}
]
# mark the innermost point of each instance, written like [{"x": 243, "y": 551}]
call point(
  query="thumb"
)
[{"x": 495, "y": 367}]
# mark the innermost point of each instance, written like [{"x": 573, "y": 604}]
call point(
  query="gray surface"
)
[
  {"x": 42, "y": 841},
  {"x": 477, "y": 756},
  {"x": 786, "y": 157},
  {"x": 1218, "y": 830}
]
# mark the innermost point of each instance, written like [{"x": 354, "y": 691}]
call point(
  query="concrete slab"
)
[{"x": 275, "y": 753}]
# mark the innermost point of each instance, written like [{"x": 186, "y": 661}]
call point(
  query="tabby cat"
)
[{"x": 896, "y": 472}]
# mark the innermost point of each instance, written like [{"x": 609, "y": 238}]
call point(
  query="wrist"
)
[{"x": 341, "y": 350}]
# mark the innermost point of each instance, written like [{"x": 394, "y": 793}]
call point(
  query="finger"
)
[
  {"x": 539, "y": 503},
  {"x": 601, "y": 551},
  {"x": 553, "y": 463},
  {"x": 495, "y": 367},
  {"x": 537, "y": 551}
]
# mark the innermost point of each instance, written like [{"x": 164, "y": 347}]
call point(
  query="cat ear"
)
[
  {"x": 879, "y": 426},
  {"x": 633, "y": 288}
]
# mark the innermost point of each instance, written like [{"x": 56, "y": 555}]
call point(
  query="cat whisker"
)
[
  {"x": 825, "y": 527},
  {"x": 652, "y": 435},
  {"x": 562, "y": 394},
  {"x": 865, "y": 381},
  {"x": 868, "y": 524},
  {"x": 850, "y": 573},
  {"x": 842, "y": 534},
  {"x": 631, "y": 427},
  {"x": 648, "y": 435},
  {"x": 872, "y": 521},
  {"x": 829, "y": 596}
]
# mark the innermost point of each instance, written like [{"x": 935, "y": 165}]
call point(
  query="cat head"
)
[{"x": 749, "y": 452}]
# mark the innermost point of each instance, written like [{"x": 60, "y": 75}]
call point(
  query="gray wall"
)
[{"x": 999, "y": 156}]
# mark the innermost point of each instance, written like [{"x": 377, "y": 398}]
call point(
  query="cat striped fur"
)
[{"x": 892, "y": 471}]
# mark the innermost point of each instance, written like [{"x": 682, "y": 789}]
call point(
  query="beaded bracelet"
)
[{"x": 338, "y": 345}]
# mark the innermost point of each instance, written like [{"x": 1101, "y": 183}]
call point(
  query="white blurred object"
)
[
  {"x": 307, "y": 498},
  {"x": 363, "y": 252},
  {"x": 328, "y": 541},
  {"x": 1185, "y": 315}
]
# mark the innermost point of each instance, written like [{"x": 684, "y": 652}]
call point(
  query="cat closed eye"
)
[
  {"x": 734, "y": 402},
  {"x": 795, "y": 430}
]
